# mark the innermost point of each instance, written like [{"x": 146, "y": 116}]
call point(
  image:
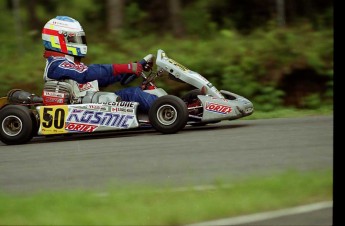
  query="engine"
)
[{"x": 57, "y": 93}]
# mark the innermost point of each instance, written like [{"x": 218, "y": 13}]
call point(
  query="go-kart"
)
[{"x": 24, "y": 115}]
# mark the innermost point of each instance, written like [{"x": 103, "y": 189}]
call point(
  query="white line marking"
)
[
  {"x": 245, "y": 219},
  {"x": 266, "y": 215}
]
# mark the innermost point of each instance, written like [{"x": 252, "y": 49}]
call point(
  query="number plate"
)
[{"x": 52, "y": 119}]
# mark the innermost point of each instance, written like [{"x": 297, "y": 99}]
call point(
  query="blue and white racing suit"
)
[{"x": 88, "y": 78}]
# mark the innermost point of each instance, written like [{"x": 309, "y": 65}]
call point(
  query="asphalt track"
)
[{"x": 193, "y": 157}]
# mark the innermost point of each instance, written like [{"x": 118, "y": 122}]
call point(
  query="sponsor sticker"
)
[
  {"x": 74, "y": 67},
  {"x": 53, "y": 98},
  {"x": 53, "y": 94},
  {"x": 97, "y": 107},
  {"x": 52, "y": 119},
  {"x": 84, "y": 87},
  {"x": 183, "y": 68},
  {"x": 99, "y": 118},
  {"x": 218, "y": 108},
  {"x": 121, "y": 104},
  {"x": 80, "y": 127}
]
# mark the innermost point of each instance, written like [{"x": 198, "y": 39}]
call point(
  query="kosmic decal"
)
[
  {"x": 89, "y": 120},
  {"x": 218, "y": 108}
]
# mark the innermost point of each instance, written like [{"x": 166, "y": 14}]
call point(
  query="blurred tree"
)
[
  {"x": 175, "y": 17},
  {"x": 31, "y": 12},
  {"x": 244, "y": 15},
  {"x": 247, "y": 15},
  {"x": 33, "y": 21},
  {"x": 163, "y": 16},
  {"x": 158, "y": 14},
  {"x": 280, "y": 12},
  {"x": 115, "y": 10},
  {"x": 18, "y": 25}
]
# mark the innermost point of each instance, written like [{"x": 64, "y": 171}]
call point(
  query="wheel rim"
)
[
  {"x": 12, "y": 125},
  {"x": 167, "y": 114}
]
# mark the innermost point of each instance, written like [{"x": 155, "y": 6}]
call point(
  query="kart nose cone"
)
[
  {"x": 246, "y": 108},
  {"x": 249, "y": 108}
]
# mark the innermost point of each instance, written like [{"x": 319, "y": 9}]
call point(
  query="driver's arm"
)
[{"x": 105, "y": 74}]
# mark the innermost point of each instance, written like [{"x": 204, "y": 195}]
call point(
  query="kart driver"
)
[{"x": 65, "y": 45}]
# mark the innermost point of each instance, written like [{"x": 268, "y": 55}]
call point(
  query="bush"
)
[{"x": 250, "y": 65}]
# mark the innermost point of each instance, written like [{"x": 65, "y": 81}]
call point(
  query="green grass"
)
[
  {"x": 166, "y": 206},
  {"x": 291, "y": 113}
]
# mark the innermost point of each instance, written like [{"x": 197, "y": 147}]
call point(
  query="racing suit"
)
[{"x": 89, "y": 78}]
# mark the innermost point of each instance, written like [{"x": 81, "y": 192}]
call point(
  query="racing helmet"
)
[{"x": 65, "y": 35}]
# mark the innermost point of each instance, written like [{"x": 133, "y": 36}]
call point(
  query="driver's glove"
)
[
  {"x": 131, "y": 68},
  {"x": 147, "y": 62}
]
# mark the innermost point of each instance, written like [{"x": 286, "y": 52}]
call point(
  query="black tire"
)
[
  {"x": 35, "y": 124},
  {"x": 168, "y": 114},
  {"x": 16, "y": 125},
  {"x": 191, "y": 95}
]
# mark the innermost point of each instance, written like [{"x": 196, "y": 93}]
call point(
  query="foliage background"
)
[{"x": 240, "y": 46}]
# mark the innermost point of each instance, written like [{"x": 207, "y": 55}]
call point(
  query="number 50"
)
[{"x": 53, "y": 117}]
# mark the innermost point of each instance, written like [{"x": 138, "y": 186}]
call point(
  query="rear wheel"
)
[
  {"x": 168, "y": 114},
  {"x": 16, "y": 125}
]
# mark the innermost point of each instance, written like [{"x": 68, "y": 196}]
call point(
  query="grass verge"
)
[
  {"x": 166, "y": 206},
  {"x": 291, "y": 113}
]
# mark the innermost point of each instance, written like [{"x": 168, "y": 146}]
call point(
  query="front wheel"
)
[
  {"x": 16, "y": 125},
  {"x": 168, "y": 114}
]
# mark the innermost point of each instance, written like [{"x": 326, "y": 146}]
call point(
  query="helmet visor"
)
[{"x": 78, "y": 38}]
